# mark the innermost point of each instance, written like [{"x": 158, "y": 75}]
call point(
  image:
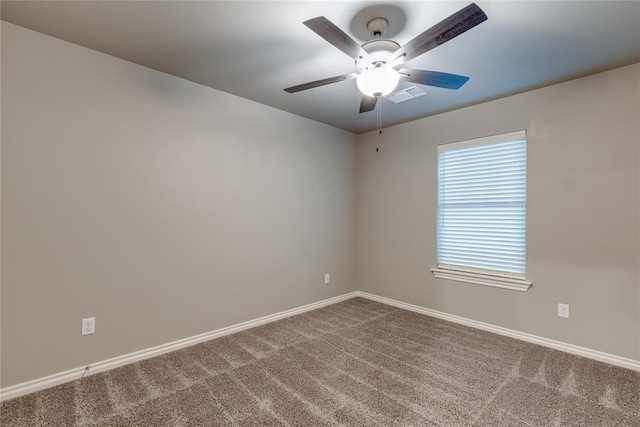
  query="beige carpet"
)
[{"x": 356, "y": 363}]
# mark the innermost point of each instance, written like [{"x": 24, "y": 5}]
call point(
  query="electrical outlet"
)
[
  {"x": 89, "y": 326},
  {"x": 563, "y": 310},
  {"x": 327, "y": 279}
]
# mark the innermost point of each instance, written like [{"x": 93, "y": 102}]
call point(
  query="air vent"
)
[{"x": 406, "y": 94}]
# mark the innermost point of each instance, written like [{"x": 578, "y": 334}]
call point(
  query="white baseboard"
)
[
  {"x": 546, "y": 342},
  {"x": 73, "y": 374}
]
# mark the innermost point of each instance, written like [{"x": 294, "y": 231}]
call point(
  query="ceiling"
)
[{"x": 254, "y": 49}]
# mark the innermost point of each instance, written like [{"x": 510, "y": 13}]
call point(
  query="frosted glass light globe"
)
[{"x": 378, "y": 81}]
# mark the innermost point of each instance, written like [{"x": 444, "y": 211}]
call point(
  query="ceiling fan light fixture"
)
[{"x": 378, "y": 81}]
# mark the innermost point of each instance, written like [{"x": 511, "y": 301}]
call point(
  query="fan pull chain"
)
[{"x": 379, "y": 121}]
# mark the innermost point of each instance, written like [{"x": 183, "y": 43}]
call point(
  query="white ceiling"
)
[{"x": 254, "y": 49}]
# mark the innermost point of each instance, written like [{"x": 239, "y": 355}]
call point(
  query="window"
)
[{"x": 482, "y": 211}]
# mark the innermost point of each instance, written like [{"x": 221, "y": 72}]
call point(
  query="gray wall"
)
[
  {"x": 164, "y": 208},
  {"x": 167, "y": 209},
  {"x": 583, "y": 217}
]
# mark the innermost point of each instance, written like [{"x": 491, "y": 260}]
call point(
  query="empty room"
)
[{"x": 307, "y": 213}]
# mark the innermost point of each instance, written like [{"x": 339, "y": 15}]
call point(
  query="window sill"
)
[{"x": 482, "y": 279}]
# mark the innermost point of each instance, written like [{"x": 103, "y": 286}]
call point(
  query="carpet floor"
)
[{"x": 355, "y": 363}]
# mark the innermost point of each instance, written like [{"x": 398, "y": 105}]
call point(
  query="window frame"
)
[{"x": 473, "y": 275}]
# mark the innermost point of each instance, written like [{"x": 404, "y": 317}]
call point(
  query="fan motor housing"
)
[{"x": 379, "y": 51}]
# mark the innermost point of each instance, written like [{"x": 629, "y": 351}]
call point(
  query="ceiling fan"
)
[{"x": 379, "y": 61}]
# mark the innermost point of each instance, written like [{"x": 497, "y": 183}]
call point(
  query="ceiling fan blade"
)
[
  {"x": 368, "y": 103},
  {"x": 322, "y": 82},
  {"x": 445, "y": 30},
  {"x": 334, "y": 35},
  {"x": 433, "y": 78}
]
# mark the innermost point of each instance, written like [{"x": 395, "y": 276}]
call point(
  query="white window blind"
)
[{"x": 482, "y": 206}]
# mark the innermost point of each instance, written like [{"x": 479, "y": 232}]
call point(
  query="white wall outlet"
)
[
  {"x": 327, "y": 279},
  {"x": 89, "y": 326},
  {"x": 563, "y": 310}
]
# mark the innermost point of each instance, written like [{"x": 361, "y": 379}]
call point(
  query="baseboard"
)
[
  {"x": 546, "y": 342},
  {"x": 74, "y": 374}
]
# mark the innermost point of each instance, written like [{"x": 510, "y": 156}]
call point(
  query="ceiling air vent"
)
[{"x": 406, "y": 94}]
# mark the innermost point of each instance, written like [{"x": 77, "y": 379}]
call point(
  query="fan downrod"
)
[{"x": 377, "y": 27}]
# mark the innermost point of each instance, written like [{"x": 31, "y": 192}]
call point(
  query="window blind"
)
[{"x": 482, "y": 205}]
